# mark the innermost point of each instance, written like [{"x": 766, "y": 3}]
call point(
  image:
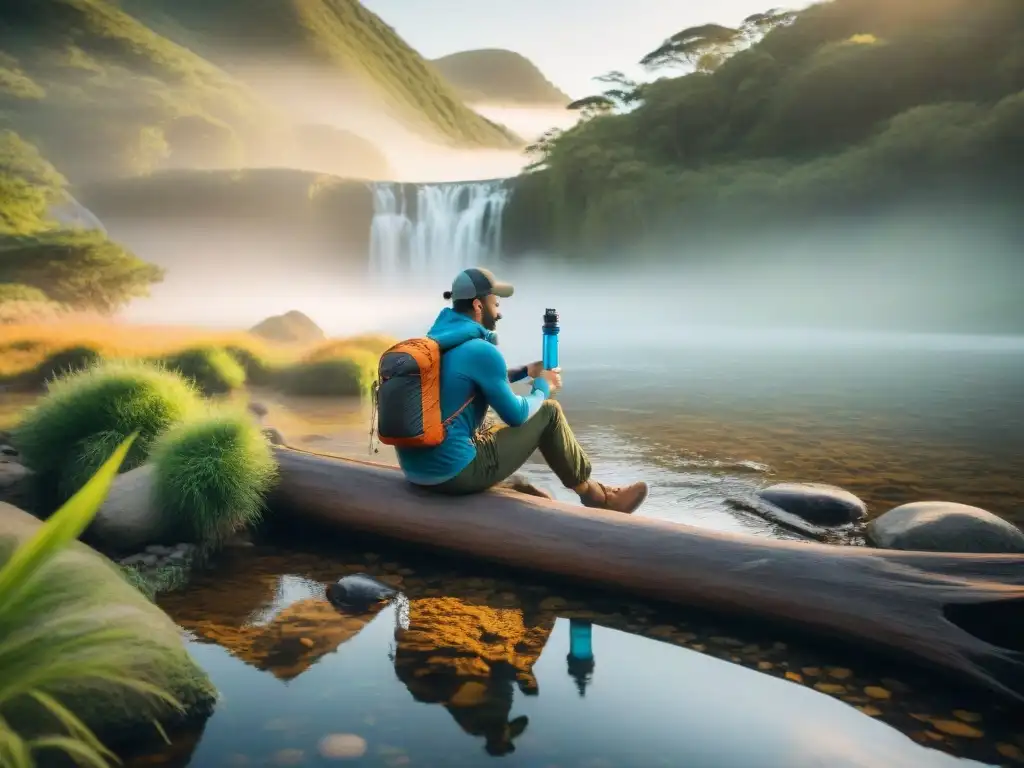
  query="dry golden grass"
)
[
  {"x": 24, "y": 346},
  {"x": 332, "y": 349}
]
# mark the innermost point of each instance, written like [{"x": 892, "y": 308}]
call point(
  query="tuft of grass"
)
[
  {"x": 66, "y": 435},
  {"x": 61, "y": 363},
  {"x": 50, "y": 645},
  {"x": 348, "y": 376},
  {"x": 212, "y": 369},
  {"x": 212, "y": 473}
]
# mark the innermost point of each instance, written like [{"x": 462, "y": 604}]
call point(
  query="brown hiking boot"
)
[{"x": 625, "y": 499}]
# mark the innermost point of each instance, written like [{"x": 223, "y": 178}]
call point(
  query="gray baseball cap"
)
[{"x": 475, "y": 283}]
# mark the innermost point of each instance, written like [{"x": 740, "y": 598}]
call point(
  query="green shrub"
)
[
  {"x": 213, "y": 370},
  {"x": 340, "y": 377},
  {"x": 211, "y": 475},
  {"x": 83, "y": 416},
  {"x": 51, "y": 643},
  {"x": 61, "y": 363},
  {"x": 258, "y": 371}
]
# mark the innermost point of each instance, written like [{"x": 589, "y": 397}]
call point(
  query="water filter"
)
[
  {"x": 550, "y": 329},
  {"x": 580, "y": 643}
]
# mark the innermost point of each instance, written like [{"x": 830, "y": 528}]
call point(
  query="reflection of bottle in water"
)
[
  {"x": 550, "y": 330},
  {"x": 581, "y": 654}
]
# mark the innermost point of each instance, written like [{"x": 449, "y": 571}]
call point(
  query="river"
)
[{"x": 473, "y": 663}]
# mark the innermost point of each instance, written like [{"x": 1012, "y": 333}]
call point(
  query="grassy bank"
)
[{"x": 217, "y": 362}]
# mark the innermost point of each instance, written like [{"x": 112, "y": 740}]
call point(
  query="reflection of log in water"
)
[
  {"x": 467, "y": 657},
  {"x": 960, "y": 613}
]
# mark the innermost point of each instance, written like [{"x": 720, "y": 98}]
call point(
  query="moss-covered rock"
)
[
  {"x": 211, "y": 475},
  {"x": 78, "y": 591},
  {"x": 83, "y": 417}
]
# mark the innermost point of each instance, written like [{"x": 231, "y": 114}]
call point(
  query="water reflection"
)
[
  {"x": 467, "y": 658},
  {"x": 511, "y": 668}
]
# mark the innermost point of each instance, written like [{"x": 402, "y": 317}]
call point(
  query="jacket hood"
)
[{"x": 451, "y": 329}]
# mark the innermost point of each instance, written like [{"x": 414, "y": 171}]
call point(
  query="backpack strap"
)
[{"x": 462, "y": 407}]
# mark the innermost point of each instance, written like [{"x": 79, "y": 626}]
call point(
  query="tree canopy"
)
[
  {"x": 39, "y": 260},
  {"x": 844, "y": 105}
]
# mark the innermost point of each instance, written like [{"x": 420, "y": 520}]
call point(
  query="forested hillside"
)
[
  {"x": 847, "y": 107},
  {"x": 340, "y": 35}
]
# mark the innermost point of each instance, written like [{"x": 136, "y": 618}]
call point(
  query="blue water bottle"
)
[
  {"x": 550, "y": 329},
  {"x": 581, "y": 654},
  {"x": 580, "y": 640}
]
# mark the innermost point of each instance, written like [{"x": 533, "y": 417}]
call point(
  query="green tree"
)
[
  {"x": 540, "y": 149},
  {"x": 706, "y": 46},
  {"x": 78, "y": 268}
]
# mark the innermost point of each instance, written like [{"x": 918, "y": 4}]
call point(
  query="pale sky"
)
[{"x": 571, "y": 41}]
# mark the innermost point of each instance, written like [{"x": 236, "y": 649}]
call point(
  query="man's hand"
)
[
  {"x": 553, "y": 378},
  {"x": 533, "y": 369}
]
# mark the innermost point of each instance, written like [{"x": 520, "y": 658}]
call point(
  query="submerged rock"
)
[
  {"x": 944, "y": 526},
  {"x": 358, "y": 592},
  {"x": 80, "y": 582},
  {"x": 816, "y": 503}
]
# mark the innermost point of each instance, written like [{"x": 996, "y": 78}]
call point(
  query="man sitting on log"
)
[{"x": 459, "y": 366}]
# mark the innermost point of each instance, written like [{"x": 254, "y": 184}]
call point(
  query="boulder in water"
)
[
  {"x": 358, "y": 592},
  {"x": 816, "y": 503},
  {"x": 944, "y": 526},
  {"x": 290, "y": 328}
]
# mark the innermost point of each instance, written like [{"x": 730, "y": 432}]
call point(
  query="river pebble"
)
[{"x": 342, "y": 746}]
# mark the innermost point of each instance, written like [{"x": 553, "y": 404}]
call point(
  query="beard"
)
[{"x": 489, "y": 320}]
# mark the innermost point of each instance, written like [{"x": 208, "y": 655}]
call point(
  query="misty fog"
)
[
  {"x": 907, "y": 272},
  {"x": 317, "y": 95},
  {"x": 915, "y": 269}
]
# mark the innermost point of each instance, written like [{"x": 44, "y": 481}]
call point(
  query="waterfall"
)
[{"x": 435, "y": 230}]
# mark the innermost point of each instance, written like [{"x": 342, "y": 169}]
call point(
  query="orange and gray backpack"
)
[{"x": 407, "y": 396}]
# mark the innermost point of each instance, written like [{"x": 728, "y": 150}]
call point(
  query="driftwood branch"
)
[{"x": 962, "y": 613}]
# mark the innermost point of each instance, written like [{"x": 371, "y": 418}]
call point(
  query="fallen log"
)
[{"x": 961, "y": 613}]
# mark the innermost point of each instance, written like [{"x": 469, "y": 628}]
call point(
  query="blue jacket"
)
[{"x": 470, "y": 364}]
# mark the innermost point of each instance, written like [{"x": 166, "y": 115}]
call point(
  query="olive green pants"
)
[{"x": 501, "y": 451}]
